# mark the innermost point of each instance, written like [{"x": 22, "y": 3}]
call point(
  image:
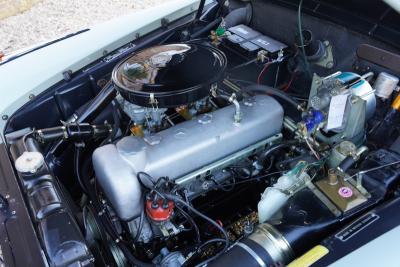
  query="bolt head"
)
[{"x": 329, "y": 64}]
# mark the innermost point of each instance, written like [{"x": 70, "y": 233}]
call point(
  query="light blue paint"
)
[{"x": 37, "y": 71}]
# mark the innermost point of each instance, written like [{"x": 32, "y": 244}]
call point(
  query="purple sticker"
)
[{"x": 345, "y": 192}]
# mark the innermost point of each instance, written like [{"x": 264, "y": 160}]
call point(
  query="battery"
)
[
  {"x": 244, "y": 31},
  {"x": 248, "y": 42},
  {"x": 268, "y": 44}
]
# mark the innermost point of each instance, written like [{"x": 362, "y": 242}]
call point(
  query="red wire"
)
[
  {"x": 262, "y": 73},
  {"x": 290, "y": 82}
]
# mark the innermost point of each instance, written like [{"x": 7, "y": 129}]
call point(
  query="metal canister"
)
[{"x": 385, "y": 84}]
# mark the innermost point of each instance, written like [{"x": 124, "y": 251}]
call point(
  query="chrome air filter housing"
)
[{"x": 169, "y": 75}]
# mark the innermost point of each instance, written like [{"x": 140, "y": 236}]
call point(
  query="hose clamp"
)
[{"x": 273, "y": 242}]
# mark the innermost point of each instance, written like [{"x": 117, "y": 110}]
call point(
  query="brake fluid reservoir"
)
[{"x": 275, "y": 197}]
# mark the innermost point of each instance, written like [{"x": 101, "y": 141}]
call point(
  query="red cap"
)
[{"x": 159, "y": 212}]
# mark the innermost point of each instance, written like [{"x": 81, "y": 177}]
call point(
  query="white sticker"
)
[
  {"x": 336, "y": 111},
  {"x": 264, "y": 42},
  {"x": 241, "y": 30}
]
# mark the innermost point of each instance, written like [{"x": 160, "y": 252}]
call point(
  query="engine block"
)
[{"x": 181, "y": 150}]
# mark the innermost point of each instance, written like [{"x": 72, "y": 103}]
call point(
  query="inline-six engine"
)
[{"x": 189, "y": 151}]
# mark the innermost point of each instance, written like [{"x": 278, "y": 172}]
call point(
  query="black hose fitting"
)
[{"x": 72, "y": 131}]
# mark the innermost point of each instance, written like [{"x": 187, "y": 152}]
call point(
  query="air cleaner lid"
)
[{"x": 169, "y": 75}]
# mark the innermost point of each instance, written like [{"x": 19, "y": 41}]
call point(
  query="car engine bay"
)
[{"x": 246, "y": 144}]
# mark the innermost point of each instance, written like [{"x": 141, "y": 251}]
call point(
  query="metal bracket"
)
[{"x": 153, "y": 102}]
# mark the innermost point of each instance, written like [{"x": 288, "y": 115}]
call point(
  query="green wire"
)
[{"x": 302, "y": 38}]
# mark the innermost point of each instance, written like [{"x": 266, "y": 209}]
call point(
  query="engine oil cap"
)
[{"x": 29, "y": 162}]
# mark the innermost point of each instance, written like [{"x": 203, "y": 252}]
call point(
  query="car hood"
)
[{"x": 29, "y": 75}]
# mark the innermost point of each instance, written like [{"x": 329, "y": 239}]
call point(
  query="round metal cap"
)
[{"x": 29, "y": 162}]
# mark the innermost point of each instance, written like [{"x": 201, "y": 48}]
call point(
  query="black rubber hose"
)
[
  {"x": 239, "y": 16},
  {"x": 200, "y": 10},
  {"x": 89, "y": 112},
  {"x": 346, "y": 164},
  {"x": 117, "y": 120},
  {"x": 210, "y": 26},
  {"x": 116, "y": 124},
  {"x": 223, "y": 97},
  {"x": 77, "y": 160},
  {"x": 99, "y": 102},
  {"x": 264, "y": 89}
]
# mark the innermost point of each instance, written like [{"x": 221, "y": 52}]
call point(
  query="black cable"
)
[
  {"x": 240, "y": 81},
  {"x": 243, "y": 64},
  {"x": 264, "y": 89},
  {"x": 214, "y": 240},
  {"x": 148, "y": 178},
  {"x": 140, "y": 228},
  {"x": 116, "y": 125},
  {"x": 202, "y": 246},
  {"x": 176, "y": 199},
  {"x": 225, "y": 184},
  {"x": 268, "y": 152},
  {"x": 257, "y": 178},
  {"x": 192, "y": 222}
]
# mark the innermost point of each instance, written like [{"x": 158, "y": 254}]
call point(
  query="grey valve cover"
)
[{"x": 181, "y": 149}]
